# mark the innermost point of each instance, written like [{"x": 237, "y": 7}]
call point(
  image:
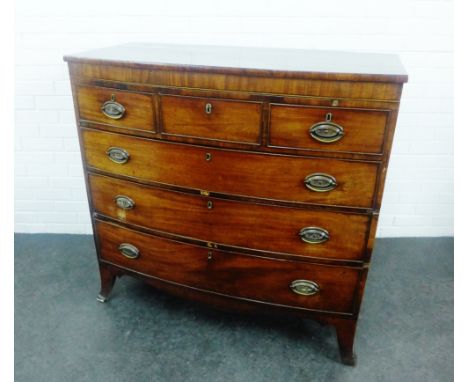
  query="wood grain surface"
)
[
  {"x": 232, "y": 172},
  {"x": 238, "y": 224},
  {"x": 139, "y": 109},
  {"x": 227, "y": 120},
  {"x": 233, "y": 274},
  {"x": 364, "y": 130}
]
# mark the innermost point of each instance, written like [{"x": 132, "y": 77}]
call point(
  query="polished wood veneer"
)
[
  {"x": 252, "y": 184},
  {"x": 289, "y": 127},
  {"x": 231, "y": 222},
  {"x": 236, "y": 275},
  {"x": 211, "y": 118},
  {"x": 230, "y": 172},
  {"x": 139, "y": 108}
]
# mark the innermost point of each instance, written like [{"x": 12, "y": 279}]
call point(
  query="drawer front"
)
[
  {"x": 122, "y": 109},
  {"x": 238, "y": 173},
  {"x": 329, "y": 129},
  {"x": 239, "y": 224},
  {"x": 223, "y": 120},
  {"x": 329, "y": 288}
]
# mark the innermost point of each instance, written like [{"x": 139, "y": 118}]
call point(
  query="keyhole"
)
[
  {"x": 209, "y": 204},
  {"x": 328, "y": 117},
  {"x": 210, "y": 255},
  {"x": 208, "y": 156}
]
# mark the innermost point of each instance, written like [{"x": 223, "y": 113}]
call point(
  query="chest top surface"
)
[{"x": 289, "y": 63}]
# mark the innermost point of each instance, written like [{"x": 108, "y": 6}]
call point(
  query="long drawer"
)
[
  {"x": 279, "y": 177},
  {"x": 290, "y": 283},
  {"x": 302, "y": 232}
]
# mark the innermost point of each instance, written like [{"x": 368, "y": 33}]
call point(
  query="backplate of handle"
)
[
  {"x": 124, "y": 202},
  {"x": 314, "y": 235},
  {"x": 304, "y": 287},
  {"x": 129, "y": 250},
  {"x": 113, "y": 109},
  {"x": 320, "y": 182},
  {"x": 118, "y": 155},
  {"x": 326, "y": 131}
]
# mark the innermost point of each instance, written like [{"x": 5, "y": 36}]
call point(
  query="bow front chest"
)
[{"x": 246, "y": 178}]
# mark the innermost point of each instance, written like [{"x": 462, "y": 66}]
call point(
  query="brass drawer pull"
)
[
  {"x": 129, "y": 250},
  {"x": 326, "y": 131},
  {"x": 113, "y": 109},
  {"x": 118, "y": 155},
  {"x": 208, "y": 108},
  {"x": 314, "y": 235},
  {"x": 304, "y": 287},
  {"x": 124, "y": 202},
  {"x": 320, "y": 182}
]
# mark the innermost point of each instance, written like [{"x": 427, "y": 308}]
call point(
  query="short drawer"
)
[
  {"x": 128, "y": 110},
  {"x": 211, "y": 118},
  {"x": 327, "y": 129},
  {"x": 269, "y": 176},
  {"x": 302, "y": 232},
  {"x": 289, "y": 283}
]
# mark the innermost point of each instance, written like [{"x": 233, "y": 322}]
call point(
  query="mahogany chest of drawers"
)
[{"x": 247, "y": 178}]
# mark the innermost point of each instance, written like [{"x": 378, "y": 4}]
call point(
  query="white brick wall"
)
[{"x": 50, "y": 193}]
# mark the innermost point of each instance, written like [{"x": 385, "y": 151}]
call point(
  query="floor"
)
[{"x": 62, "y": 333}]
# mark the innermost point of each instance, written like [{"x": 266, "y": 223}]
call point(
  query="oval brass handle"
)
[
  {"x": 314, "y": 235},
  {"x": 118, "y": 155},
  {"x": 113, "y": 109},
  {"x": 320, "y": 182},
  {"x": 304, "y": 287},
  {"x": 208, "y": 108},
  {"x": 326, "y": 131},
  {"x": 124, "y": 202},
  {"x": 129, "y": 250}
]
